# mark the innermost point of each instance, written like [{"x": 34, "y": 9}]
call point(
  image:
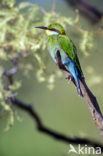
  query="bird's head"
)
[{"x": 53, "y": 29}]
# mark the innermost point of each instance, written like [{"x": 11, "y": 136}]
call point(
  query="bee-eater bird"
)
[{"x": 59, "y": 41}]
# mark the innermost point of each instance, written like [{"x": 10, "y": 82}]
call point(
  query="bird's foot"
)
[{"x": 69, "y": 78}]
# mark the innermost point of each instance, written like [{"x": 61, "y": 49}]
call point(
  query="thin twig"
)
[
  {"x": 43, "y": 10},
  {"x": 53, "y": 7}
]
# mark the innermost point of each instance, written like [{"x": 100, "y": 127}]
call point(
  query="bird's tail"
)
[
  {"x": 73, "y": 70},
  {"x": 79, "y": 89},
  {"x": 76, "y": 77}
]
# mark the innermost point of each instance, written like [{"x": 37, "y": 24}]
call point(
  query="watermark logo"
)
[{"x": 84, "y": 150}]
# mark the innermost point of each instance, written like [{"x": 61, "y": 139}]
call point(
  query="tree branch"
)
[
  {"x": 87, "y": 9},
  {"x": 87, "y": 95},
  {"x": 42, "y": 128},
  {"x": 89, "y": 98}
]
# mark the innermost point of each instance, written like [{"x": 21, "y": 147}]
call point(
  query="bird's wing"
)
[{"x": 67, "y": 45}]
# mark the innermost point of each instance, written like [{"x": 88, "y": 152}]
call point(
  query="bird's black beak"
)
[{"x": 41, "y": 27}]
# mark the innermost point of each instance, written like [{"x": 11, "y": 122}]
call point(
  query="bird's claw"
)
[{"x": 69, "y": 78}]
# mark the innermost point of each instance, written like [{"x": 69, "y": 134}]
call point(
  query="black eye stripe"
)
[{"x": 55, "y": 30}]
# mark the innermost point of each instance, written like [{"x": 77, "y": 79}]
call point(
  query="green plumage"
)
[
  {"x": 65, "y": 44},
  {"x": 68, "y": 46},
  {"x": 59, "y": 41}
]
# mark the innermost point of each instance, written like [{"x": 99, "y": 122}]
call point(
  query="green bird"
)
[{"x": 59, "y": 41}]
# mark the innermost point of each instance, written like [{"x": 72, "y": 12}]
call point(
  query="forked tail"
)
[
  {"x": 78, "y": 85},
  {"x": 79, "y": 90},
  {"x": 73, "y": 70}
]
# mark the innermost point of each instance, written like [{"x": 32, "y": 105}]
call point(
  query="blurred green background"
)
[{"x": 61, "y": 109}]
